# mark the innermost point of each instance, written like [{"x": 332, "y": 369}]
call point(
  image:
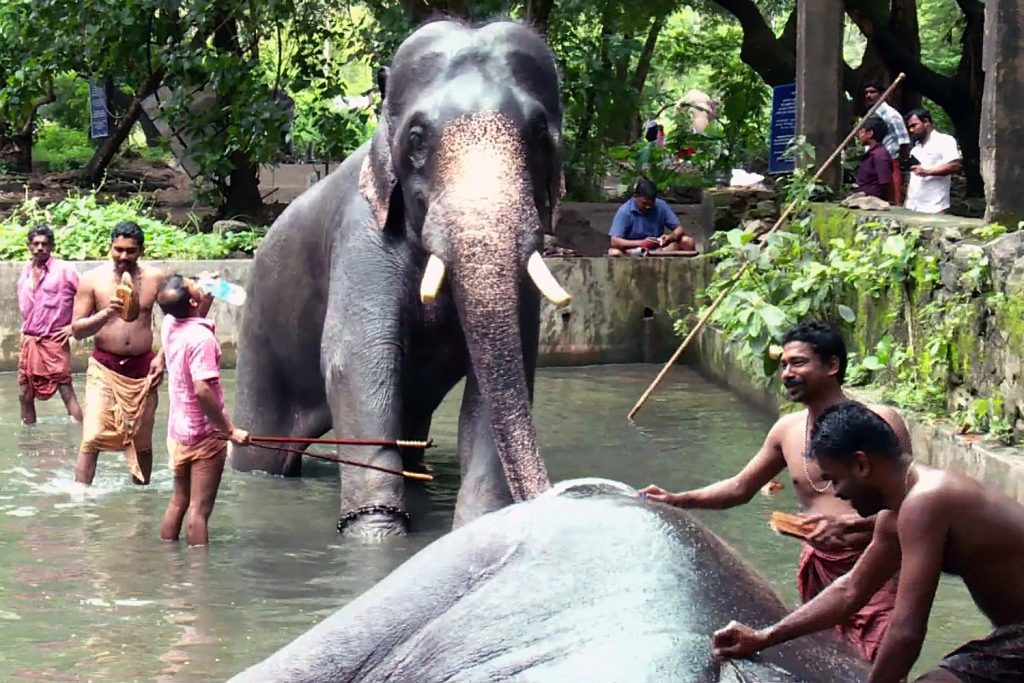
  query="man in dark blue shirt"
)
[{"x": 640, "y": 226}]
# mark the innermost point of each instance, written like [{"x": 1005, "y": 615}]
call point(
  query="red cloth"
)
[
  {"x": 134, "y": 367},
  {"x": 44, "y": 364},
  {"x": 865, "y": 629},
  {"x": 897, "y": 183}
]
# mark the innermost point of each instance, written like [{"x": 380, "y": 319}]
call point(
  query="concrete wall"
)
[{"x": 605, "y": 323}]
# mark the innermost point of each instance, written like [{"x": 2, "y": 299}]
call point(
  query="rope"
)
[{"x": 330, "y": 458}]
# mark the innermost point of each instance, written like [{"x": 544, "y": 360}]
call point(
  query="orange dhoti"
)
[
  {"x": 43, "y": 365},
  {"x": 119, "y": 414},
  {"x": 208, "y": 453},
  {"x": 865, "y": 629}
]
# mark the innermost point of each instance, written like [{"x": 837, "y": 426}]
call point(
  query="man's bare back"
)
[
  {"x": 978, "y": 531},
  {"x": 118, "y": 336}
]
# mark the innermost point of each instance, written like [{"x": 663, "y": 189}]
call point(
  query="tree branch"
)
[
  {"x": 760, "y": 49},
  {"x": 30, "y": 121}
]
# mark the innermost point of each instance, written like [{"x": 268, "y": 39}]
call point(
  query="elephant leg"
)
[
  {"x": 265, "y": 407},
  {"x": 484, "y": 487}
]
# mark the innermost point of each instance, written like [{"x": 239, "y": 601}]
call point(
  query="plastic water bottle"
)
[{"x": 223, "y": 290}]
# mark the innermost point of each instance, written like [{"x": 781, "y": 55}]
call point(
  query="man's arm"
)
[
  {"x": 85, "y": 319},
  {"x": 948, "y": 168},
  {"x": 619, "y": 229},
  {"x": 735, "y": 490},
  {"x": 923, "y": 524},
  {"x": 206, "y": 397},
  {"x": 832, "y": 606}
]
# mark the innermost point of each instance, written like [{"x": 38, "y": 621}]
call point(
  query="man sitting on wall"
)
[
  {"x": 929, "y": 521},
  {"x": 645, "y": 224}
]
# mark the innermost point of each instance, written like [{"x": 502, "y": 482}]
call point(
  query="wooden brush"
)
[
  {"x": 790, "y": 525},
  {"x": 126, "y": 293}
]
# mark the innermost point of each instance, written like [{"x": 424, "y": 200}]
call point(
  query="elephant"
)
[
  {"x": 701, "y": 107},
  {"x": 587, "y": 582},
  {"x": 453, "y": 193}
]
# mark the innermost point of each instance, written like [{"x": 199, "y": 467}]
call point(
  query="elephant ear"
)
[
  {"x": 556, "y": 189},
  {"x": 377, "y": 178}
]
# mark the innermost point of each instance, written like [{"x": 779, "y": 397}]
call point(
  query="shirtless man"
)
[
  {"x": 123, "y": 373},
  {"x": 813, "y": 366},
  {"x": 929, "y": 521}
]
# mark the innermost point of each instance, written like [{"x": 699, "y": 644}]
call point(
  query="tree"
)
[{"x": 894, "y": 46}]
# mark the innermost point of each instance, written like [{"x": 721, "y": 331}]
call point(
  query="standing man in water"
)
[
  {"x": 929, "y": 521},
  {"x": 197, "y": 424},
  {"x": 123, "y": 373},
  {"x": 46, "y": 294},
  {"x": 813, "y": 366}
]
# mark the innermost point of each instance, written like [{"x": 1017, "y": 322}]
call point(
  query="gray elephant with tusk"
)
[{"x": 414, "y": 265}]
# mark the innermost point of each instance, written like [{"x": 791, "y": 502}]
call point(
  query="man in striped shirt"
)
[{"x": 897, "y": 140}]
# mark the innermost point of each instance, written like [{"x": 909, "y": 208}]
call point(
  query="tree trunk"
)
[
  {"x": 538, "y": 13},
  {"x": 104, "y": 155},
  {"x": 16, "y": 152},
  {"x": 123, "y": 101},
  {"x": 241, "y": 190}
]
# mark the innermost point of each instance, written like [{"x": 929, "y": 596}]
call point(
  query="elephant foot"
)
[{"x": 374, "y": 521}]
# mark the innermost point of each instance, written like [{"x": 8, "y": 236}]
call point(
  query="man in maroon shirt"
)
[{"x": 874, "y": 175}]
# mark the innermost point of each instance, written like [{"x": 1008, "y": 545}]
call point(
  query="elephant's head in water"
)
[{"x": 467, "y": 160}]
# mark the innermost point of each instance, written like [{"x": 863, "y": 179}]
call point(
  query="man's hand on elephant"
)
[
  {"x": 738, "y": 640},
  {"x": 657, "y": 494}
]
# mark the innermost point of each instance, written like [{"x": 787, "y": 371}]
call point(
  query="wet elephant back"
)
[{"x": 595, "y": 589}]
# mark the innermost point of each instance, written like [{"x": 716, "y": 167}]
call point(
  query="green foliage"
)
[
  {"x": 330, "y": 132},
  {"x": 61, "y": 148},
  {"x": 82, "y": 226},
  {"x": 658, "y": 164},
  {"x": 987, "y": 415}
]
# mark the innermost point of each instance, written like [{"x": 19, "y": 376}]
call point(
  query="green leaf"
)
[{"x": 846, "y": 313}]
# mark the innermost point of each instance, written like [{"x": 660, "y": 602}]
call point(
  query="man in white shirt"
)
[
  {"x": 935, "y": 158},
  {"x": 897, "y": 140}
]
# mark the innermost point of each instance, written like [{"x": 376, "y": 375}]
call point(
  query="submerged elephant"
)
[
  {"x": 405, "y": 270},
  {"x": 585, "y": 583}
]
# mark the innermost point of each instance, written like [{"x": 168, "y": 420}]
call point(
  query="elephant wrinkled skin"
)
[
  {"x": 585, "y": 583},
  {"x": 348, "y": 326}
]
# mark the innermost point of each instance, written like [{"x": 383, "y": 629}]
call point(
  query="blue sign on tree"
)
[
  {"x": 783, "y": 128},
  {"x": 99, "y": 120}
]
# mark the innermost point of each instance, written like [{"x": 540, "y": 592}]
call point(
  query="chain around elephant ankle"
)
[{"x": 351, "y": 515}]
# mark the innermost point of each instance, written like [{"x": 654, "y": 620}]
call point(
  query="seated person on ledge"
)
[
  {"x": 640, "y": 226},
  {"x": 929, "y": 521}
]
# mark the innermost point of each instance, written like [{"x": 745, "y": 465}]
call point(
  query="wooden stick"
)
[
  {"x": 330, "y": 458},
  {"x": 736, "y": 278},
  {"x": 429, "y": 443}
]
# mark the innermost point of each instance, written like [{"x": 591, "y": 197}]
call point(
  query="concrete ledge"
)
[
  {"x": 620, "y": 311},
  {"x": 935, "y": 442}
]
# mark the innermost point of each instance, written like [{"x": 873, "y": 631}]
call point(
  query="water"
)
[{"x": 88, "y": 592}]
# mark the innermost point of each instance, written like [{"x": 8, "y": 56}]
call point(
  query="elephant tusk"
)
[
  {"x": 433, "y": 275},
  {"x": 545, "y": 281}
]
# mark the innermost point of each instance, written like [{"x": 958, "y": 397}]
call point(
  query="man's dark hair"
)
[
  {"x": 876, "y": 126},
  {"x": 130, "y": 230},
  {"x": 848, "y": 427},
  {"x": 875, "y": 84},
  {"x": 645, "y": 188},
  {"x": 921, "y": 113},
  {"x": 173, "y": 297},
  {"x": 825, "y": 341},
  {"x": 41, "y": 229}
]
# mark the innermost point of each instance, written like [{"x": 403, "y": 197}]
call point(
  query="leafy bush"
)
[
  {"x": 332, "y": 133},
  {"x": 82, "y": 226},
  {"x": 61, "y": 148}
]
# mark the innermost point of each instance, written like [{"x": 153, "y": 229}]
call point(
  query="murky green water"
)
[{"x": 88, "y": 592}]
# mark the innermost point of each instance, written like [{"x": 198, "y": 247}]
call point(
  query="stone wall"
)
[
  {"x": 990, "y": 349},
  {"x": 620, "y": 311}
]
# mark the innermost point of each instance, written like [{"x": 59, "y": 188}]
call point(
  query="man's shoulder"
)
[
  {"x": 96, "y": 272},
  {"x": 790, "y": 421},
  {"x": 150, "y": 271}
]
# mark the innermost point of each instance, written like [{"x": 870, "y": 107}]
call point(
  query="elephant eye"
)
[
  {"x": 415, "y": 138},
  {"x": 417, "y": 146}
]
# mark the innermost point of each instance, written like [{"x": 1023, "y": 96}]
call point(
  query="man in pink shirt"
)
[
  {"x": 197, "y": 424},
  {"x": 46, "y": 296}
]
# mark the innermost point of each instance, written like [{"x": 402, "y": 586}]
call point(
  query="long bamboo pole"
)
[{"x": 736, "y": 278}]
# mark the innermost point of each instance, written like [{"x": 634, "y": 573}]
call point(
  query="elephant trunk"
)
[{"x": 484, "y": 226}]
